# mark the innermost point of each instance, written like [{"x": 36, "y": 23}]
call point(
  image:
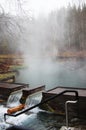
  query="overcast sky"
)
[{"x": 36, "y": 6}]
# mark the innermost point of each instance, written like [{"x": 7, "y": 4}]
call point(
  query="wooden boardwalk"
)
[
  {"x": 57, "y": 90},
  {"x": 75, "y": 111}
]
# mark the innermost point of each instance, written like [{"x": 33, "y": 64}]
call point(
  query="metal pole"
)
[{"x": 66, "y": 112}]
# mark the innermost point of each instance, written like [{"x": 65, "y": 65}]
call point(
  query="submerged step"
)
[{"x": 15, "y": 109}]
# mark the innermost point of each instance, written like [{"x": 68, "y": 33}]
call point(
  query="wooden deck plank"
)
[
  {"x": 57, "y": 90},
  {"x": 6, "y": 89},
  {"x": 8, "y": 86}
]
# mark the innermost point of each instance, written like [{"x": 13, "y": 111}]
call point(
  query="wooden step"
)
[
  {"x": 6, "y": 89},
  {"x": 26, "y": 92}
]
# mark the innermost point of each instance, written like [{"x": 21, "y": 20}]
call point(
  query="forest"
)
[{"x": 63, "y": 30}]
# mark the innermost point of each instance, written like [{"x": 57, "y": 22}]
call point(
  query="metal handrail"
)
[
  {"x": 66, "y": 112},
  {"x": 48, "y": 99}
]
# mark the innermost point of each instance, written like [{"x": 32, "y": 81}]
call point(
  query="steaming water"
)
[
  {"x": 52, "y": 73},
  {"x": 69, "y": 72}
]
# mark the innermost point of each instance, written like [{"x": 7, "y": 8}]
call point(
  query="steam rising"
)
[
  {"x": 45, "y": 40},
  {"x": 44, "y": 36},
  {"x": 53, "y": 47}
]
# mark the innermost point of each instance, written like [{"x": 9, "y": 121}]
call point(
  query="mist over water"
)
[
  {"x": 45, "y": 44},
  {"x": 70, "y": 73},
  {"x": 50, "y": 38}
]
